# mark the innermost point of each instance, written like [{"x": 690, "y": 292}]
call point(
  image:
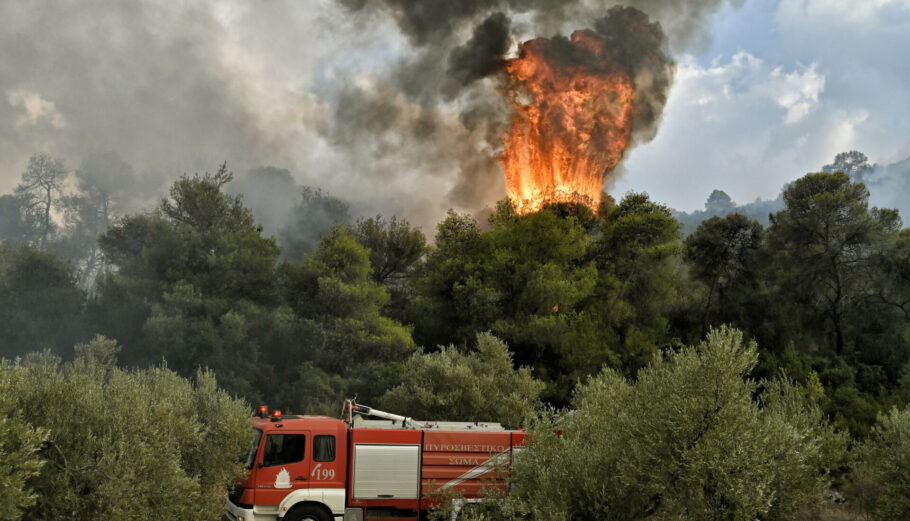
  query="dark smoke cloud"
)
[
  {"x": 643, "y": 52},
  {"x": 482, "y": 55},
  {"x": 393, "y": 105},
  {"x": 457, "y": 51},
  {"x": 139, "y": 77}
]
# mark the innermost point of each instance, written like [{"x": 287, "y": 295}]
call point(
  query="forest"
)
[{"x": 786, "y": 343}]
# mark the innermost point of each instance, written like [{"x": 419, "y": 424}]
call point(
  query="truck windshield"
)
[{"x": 251, "y": 456}]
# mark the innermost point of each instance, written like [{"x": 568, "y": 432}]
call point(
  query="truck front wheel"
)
[{"x": 307, "y": 513}]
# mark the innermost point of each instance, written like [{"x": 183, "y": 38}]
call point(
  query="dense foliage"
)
[
  {"x": 115, "y": 443},
  {"x": 687, "y": 440},
  {"x": 477, "y": 386},
  {"x": 335, "y": 307}
]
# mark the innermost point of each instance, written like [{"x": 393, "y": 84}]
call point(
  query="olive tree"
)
[
  {"x": 688, "y": 439},
  {"x": 452, "y": 384},
  {"x": 127, "y": 444},
  {"x": 884, "y": 459},
  {"x": 19, "y": 446}
]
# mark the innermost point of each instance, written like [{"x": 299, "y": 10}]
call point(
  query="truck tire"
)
[{"x": 307, "y": 513}]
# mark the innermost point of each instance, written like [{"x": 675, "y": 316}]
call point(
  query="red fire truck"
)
[{"x": 317, "y": 468}]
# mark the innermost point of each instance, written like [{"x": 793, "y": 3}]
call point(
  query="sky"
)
[
  {"x": 782, "y": 88},
  {"x": 351, "y": 99}
]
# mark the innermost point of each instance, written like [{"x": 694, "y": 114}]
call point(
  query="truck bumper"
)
[{"x": 237, "y": 513}]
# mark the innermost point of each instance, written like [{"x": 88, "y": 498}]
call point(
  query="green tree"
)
[
  {"x": 451, "y": 384},
  {"x": 724, "y": 254},
  {"x": 41, "y": 306},
  {"x": 884, "y": 458},
  {"x": 41, "y": 185},
  {"x": 853, "y": 163},
  {"x": 333, "y": 292},
  {"x": 687, "y": 440},
  {"x": 892, "y": 269},
  {"x": 824, "y": 241},
  {"x": 314, "y": 214},
  {"x": 637, "y": 262},
  {"x": 128, "y": 444},
  {"x": 719, "y": 204},
  {"x": 394, "y": 246},
  {"x": 454, "y": 301},
  {"x": 395, "y": 253},
  {"x": 20, "y": 443},
  {"x": 193, "y": 282},
  {"x": 543, "y": 278}
]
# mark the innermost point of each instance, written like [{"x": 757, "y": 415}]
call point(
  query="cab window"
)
[
  {"x": 254, "y": 446},
  {"x": 281, "y": 449},
  {"x": 324, "y": 448}
]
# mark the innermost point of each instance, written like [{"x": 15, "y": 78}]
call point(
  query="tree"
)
[
  {"x": 453, "y": 301},
  {"x": 128, "y": 444},
  {"x": 333, "y": 292},
  {"x": 451, "y": 384},
  {"x": 106, "y": 185},
  {"x": 723, "y": 251},
  {"x": 14, "y": 227},
  {"x": 687, "y": 440},
  {"x": 271, "y": 194},
  {"x": 824, "y": 241},
  {"x": 20, "y": 443},
  {"x": 41, "y": 306},
  {"x": 529, "y": 280},
  {"x": 395, "y": 252},
  {"x": 394, "y": 247},
  {"x": 193, "y": 282},
  {"x": 85, "y": 218},
  {"x": 884, "y": 459},
  {"x": 719, "y": 204},
  {"x": 892, "y": 268},
  {"x": 853, "y": 163},
  {"x": 314, "y": 214},
  {"x": 41, "y": 183},
  {"x": 543, "y": 277},
  {"x": 636, "y": 262}
]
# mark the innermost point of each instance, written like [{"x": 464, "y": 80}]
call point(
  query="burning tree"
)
[{"x": 580, "y": 102}]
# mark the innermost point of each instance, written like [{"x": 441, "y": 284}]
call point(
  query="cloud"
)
[
  {"x": 843, "y": 12},
  {"x": 797, "y": 91},
  {"x": 742, "y": 125},
  {"x": 36, "y": 110},
  {"x": 390, "y": 107}
]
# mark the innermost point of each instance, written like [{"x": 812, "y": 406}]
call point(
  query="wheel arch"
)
[{"x": 308, "y": 503}]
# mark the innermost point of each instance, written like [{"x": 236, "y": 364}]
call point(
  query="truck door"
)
[{"x": 285, "y": 466}]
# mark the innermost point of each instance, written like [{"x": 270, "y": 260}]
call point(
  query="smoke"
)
[
  {"x": 392, "y": 105},
  {"x": 440, "y": 106}
]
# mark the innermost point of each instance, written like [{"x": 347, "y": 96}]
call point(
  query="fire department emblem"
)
[{"x": 283, "y": 480}]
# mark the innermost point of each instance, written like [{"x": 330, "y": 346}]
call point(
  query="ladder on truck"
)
[{"x": 355, "y": 415}]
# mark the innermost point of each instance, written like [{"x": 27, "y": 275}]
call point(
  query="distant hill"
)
[
  {"x": 889, "y": 187},
  {"x": 720, "y": 204}
]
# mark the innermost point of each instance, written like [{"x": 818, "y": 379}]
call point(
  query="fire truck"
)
[{"x": 390, "y": 467}]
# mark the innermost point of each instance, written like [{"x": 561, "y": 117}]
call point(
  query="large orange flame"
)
[{"x": 572, "y": 122}]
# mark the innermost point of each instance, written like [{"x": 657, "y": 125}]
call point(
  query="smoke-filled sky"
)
[{"x": 395, "y": 105}]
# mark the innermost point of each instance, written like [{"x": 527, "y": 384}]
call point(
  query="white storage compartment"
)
[{"x": 386, "y": 471}]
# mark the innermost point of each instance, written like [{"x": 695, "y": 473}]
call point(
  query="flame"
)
[{"x": 573, "y": 118}]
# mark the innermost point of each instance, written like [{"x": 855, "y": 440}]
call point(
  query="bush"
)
[
  {"x": 478, "y": 386},
  {"x": 19, "y": 445},
  {"x": 883, "y": 460},
  {"x": 144, "y": 444},
  {"x": 687, "y": 440}
]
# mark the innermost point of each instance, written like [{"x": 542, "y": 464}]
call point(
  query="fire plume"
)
[{"x": 573, "y": 120}]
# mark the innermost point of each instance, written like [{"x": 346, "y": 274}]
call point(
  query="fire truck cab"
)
[{"x": 317, "y": 468}]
